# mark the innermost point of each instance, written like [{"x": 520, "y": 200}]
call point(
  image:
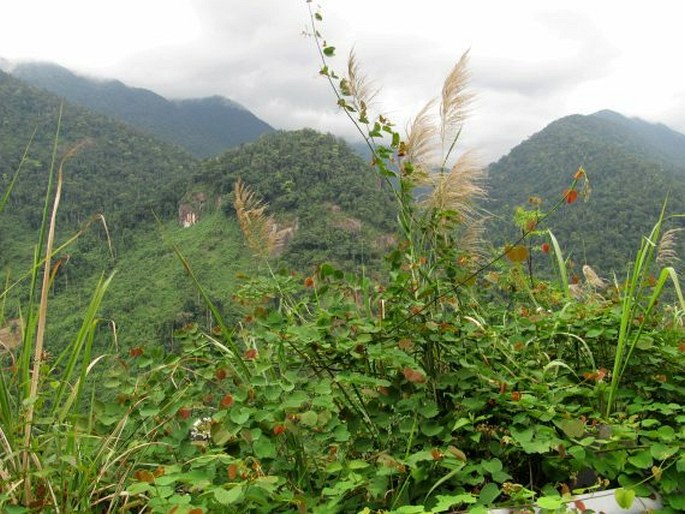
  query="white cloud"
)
[{"x": 532, "y": 61}]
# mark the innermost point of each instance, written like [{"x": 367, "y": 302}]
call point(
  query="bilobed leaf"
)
[
  {"x": 573, "y": 428},
  {"x": 624, "y": 497},
  {"x": 226, "y": 497}
]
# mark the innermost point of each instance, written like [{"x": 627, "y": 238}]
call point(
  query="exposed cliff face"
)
[{"x": 190, "y": 208}]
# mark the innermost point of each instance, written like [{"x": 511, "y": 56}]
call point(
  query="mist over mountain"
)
[
  {"x": 202, "y": 126},
  {"x": 632, "y": 166}
]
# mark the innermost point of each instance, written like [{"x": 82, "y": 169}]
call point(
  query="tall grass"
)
[
  {"x": 51, "y": 459},
  {"x": 639, "y": 297}
]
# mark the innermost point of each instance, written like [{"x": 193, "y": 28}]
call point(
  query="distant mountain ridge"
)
[
  {"x": 633, "y": 166},
  {"x": 202, "y": 126}
]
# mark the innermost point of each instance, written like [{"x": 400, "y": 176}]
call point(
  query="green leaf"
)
[
  {"x": 680, "y": 465},
  {"x": 624, "y": 497},
  {"x": 677, "y": 502},
  {"x": 138, "y": 487},
  {"x": 226, "y": 497},
  {"x": 488, "y": 494},
  {"x": 329, "y": 51},
  {"x": 461, "y": 422},
  {"x": 429, "y": 411},
  {"x": 431, "y": 429},
  {"x": 641, "y": 460},
  {"x": 15, "y": 509},
  {"x": 661, "y": 451},
  {"x": 666, "y": 433},
  {"x": 445, "y": 502},
  {"x": 645, "y": 342},
  {"x": 308, "y": 418},
  {"x": 573, "y": 428},
  {"x": 411, "y": 509},
  {"x": 357, "y": 464},
  {"x": 550, "y": 502},
  {"x": 264, "y": 448},
  {"x": 492, "y": 466},
  {"x": 240, "y": 415}
]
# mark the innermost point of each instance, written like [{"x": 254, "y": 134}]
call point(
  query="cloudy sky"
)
[{"x": 532, "y": 61}]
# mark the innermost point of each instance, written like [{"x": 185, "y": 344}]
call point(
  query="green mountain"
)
[
  {"x": 317, "y": 183},
  {"x": 632, "y": 166},
  {"x": 203, "y": 126},
  {"x": 117, "y": 171},
  {"x": 326, "y": 196}
]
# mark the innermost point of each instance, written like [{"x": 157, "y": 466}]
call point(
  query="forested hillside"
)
[
  {"x": 116, "y": 171},
  {"x": 316, "y": 186},
  {"x": 632, "y": 166},
  {"x": 202, "y": 126},
  {"x": 318, "y": 183}
]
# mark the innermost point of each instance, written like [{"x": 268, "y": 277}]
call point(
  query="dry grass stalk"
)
[
  {"x": 666, "y": 250},
  {"x": 42, "y": 318},
  {"x": 262, "y": 233}
]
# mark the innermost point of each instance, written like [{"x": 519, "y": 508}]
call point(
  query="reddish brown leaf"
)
[
  {"x": 570, "y": 195},
  {"x": 144, "y": 475},
  {"x": 414, "y": 376}
]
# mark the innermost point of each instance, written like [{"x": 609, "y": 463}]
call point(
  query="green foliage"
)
[
  {"x": 632, "y": 165},
  {"x": 440, "y": 384},
  {"x": 315, "y": 183}
]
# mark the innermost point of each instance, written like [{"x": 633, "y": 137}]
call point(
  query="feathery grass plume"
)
[
  {"x": 592, "y": 278},
  {"x": 420, "y": 144},
  {"x": 472, "y": 242},
  {"x": 261, "y": 232},
  {"x": 358, "y": 86},
  {"x": 454, "y": 105},
  {"x": 459, "y": 189},
  {"x": 666, "y": 250}
]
